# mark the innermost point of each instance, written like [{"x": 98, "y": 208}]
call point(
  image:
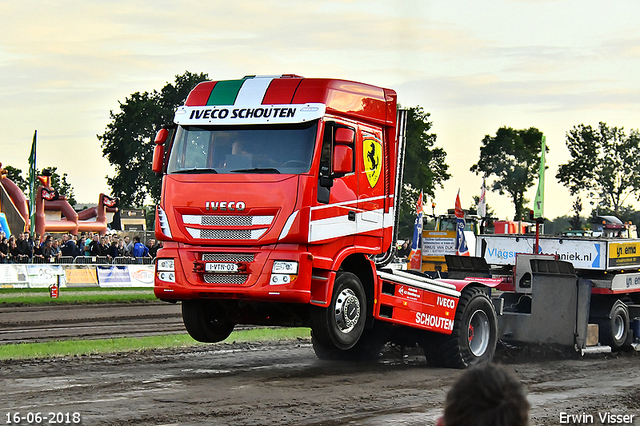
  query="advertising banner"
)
[
  {"x": 113, "y": 276},
  {"x": 583, "y": 254},
  {"x": 624, "y": 254},
  {"x": 141, "y": 275},
  {"x": 13, "y": 276},
  {"x": 81, "y": 276},
  {"x": 44, "y": 275},
  {"x": 438, "y": 243},
  {"x": 126, "y": 276}
]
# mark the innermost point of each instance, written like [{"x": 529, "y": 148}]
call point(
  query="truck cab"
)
[{"x": 271, "y": 187}]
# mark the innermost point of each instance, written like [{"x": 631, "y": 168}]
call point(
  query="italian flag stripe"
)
[
  {"x": 253, "y": 90},
  {"x": 225, "y": 92}
]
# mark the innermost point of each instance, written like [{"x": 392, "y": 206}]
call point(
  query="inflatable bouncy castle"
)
[{"x": 54, "y": 214}]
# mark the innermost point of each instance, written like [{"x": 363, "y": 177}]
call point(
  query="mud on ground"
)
[{"x": 282, "y": 383}]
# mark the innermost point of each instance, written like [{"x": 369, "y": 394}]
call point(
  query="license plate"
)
[{"x": 221, "y": 267}]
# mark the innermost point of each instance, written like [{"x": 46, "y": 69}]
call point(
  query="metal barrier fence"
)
[{"x": 89, "y": 260}]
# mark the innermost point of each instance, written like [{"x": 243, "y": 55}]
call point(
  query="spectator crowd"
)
[{"x": 22, "y": 248}]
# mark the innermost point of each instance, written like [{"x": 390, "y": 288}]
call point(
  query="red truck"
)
[{"x": 279, "y": 207}]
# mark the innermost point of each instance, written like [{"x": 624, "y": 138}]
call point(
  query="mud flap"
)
[
  {"x": 461, "y": 267},
  {"x": 555, "y": 311}
]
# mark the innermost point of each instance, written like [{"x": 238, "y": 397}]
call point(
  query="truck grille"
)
[
  {"x": 225, "y": 278},
  {"x": 226, "y": 234},
  {"x": 226, "y": 220}
]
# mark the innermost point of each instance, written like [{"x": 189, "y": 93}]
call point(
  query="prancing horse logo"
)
[{"x": 372, "y": 154}]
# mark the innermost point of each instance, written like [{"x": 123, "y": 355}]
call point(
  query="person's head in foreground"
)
[{"x": 486, "y": 395}]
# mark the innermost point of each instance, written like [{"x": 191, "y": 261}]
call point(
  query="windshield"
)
[{"x": 284, "y": 149}]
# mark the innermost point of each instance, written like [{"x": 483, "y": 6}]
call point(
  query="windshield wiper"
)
[
  {"x": 198, "y": 171},
  {"x": 257, "y": 170}
]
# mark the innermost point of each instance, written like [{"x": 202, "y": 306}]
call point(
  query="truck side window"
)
[
  {"x": 327, "y": 150},
  {"x": 324, "y": 189}
]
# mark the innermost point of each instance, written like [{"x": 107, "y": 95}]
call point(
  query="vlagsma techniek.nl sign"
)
[{"x": 583, "y": 254}]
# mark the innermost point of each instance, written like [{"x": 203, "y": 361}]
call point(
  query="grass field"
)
[
  {"x": 127, "y": 344},
  {"x": 13, "y": 297},
  {"x": 39, "y": 296}
]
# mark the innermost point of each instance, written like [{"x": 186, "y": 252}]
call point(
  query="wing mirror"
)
[{"x": 158, "y": 151}]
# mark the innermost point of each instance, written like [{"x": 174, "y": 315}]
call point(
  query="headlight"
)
[
  {"x": 283, "y": 267},
  {"x": 166, "y": 265}
]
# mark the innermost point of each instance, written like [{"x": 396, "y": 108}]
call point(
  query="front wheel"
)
[
  {"x": 341, "y": 324},
  {"x": 205, "y": 321},
  {"x": 474, "y": 337}
]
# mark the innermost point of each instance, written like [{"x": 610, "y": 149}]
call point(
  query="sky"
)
[{"x": 475, "y": 66}]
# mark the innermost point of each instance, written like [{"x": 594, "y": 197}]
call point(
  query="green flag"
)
[
  {"x": 32, "y": 184},
  {"x": 538, "y": 205}
]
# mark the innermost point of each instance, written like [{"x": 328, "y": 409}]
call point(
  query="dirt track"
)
[{"x": 284, "y": 383}]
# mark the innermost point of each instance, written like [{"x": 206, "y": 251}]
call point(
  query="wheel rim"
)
[
  {"x": 479, "y": 333},
  {"x": 347, "y": 311},
  {"x": 618, "y": 327}
]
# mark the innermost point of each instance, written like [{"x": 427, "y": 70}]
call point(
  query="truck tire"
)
[
  {"x": 205, "y": 321},
  {"x": 614, "y": 330},
  {"x": 474, "y": 337},
  {"x": 368, "y": 347},
  {"x": 341, "y": 324}
]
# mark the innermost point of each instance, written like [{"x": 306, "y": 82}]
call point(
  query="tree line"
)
[{"x": 603, "y": 159}]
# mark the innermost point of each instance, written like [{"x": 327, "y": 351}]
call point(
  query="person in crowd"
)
[
  {"x": 128, "y": 245},
  {"x": 55, "y": 248},
  {"x": 24, "y": 248},
  {"x": 4, "y": 249},
  {"x": 14, "y": 254},
  {"x": 38, "y": 247},
  {"x": 122, "y": 250},
  {"x": 153, "y": 248},
  {"x": 139, "y": 249},
  {"x": 113, "y": 249},
  {"x": 81, "y": 243},
  {"x": 94, "y": 247},
  {"x": 405, "y": 249},
  {"x": 104, "y": 245},
  {"x": 486, "y": 395},
  {"x": 47, "y": 250},
  {"x": 68, "y": 246}
]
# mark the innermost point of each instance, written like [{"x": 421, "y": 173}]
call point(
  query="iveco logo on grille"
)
[{"x": 225, "y": 205}]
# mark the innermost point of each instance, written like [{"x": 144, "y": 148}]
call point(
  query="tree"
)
[
  {"x": 128, "y": 141},
  {"x": 513, "y": 157},
  {"x": 576, "y": 222},
  {"x": 424, "y": 166},
  {"x": 15, "y": 175},
  {"x": 604, "y": 160}
]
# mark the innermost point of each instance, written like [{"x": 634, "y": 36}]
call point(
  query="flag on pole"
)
[
  {"x": 415, "y": 257},
  {"x": 538, "y": 205},
  {"x": 32, "y": 184},
  {"x": 482, "y": 202},
  {"x": 461, "y": 243}
]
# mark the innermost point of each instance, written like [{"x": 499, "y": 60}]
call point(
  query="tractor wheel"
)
[
  {"x": 474, "y": 337},
  {"x": 205, "y": 321}
]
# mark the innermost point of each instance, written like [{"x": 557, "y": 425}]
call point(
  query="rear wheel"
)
[
  {"x": 340, "y": 325},
  {"x": 205, "y": 321},
  {"x": 474, "y": 337},
  {"x": 614, "y": 330}
]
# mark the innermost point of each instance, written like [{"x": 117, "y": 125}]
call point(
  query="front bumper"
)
[{"x": 252, "y": 277}]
